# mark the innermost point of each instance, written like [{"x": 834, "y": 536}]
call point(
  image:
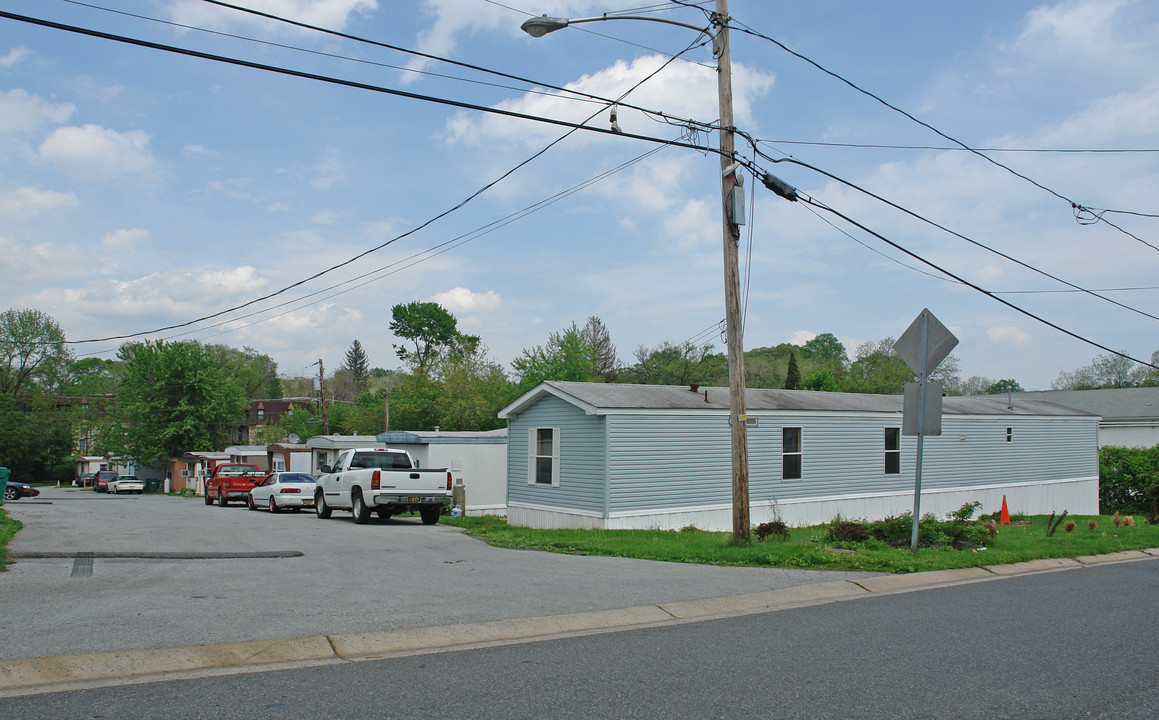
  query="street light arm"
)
[{"x": 537, "y": 27}]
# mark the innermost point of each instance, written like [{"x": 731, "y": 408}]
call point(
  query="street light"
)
[{"x": 540, "y": 26}]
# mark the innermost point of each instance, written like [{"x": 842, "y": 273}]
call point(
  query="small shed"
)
[
  {"x": 595, "y": 455},
  {"x": 294, "y": 457},
  {"x": 479, "y": 459}
]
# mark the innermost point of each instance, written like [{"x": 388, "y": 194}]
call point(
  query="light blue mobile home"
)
[{"x": 593, "y": 455}]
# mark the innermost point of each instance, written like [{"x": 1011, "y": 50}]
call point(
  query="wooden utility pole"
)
[
  {"x": 386, "y": 410},
  {"x": 735, "y": 342},
  {"x": 322, "y": 394}
]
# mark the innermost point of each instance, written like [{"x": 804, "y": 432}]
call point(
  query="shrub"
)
[
  {"x": 847, "y": 531},
  {"x": 1128, "y": 478},
  {"x": 776, "y": 528}
]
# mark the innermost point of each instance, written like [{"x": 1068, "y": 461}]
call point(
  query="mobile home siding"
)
[{"x": 581, "y": 458}]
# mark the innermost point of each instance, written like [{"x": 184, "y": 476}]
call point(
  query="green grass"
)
[
  {"x": 8, "y": 528},
  {"x": 809, "y": 547}
]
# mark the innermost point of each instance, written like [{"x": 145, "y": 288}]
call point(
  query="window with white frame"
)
[
  {"x": 543, "y": 466},
  {"x": 1009, "y": 434},
  {"x": 791, "y": 453},
  {"x": 892, "y": 451}
]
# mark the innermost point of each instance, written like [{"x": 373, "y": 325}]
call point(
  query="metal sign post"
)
[{"x": 924, "y": 344}]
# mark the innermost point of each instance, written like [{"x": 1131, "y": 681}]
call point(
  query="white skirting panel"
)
[
  {"x": 1080, "y": 496},
  {"x": 473, "y": 510}
]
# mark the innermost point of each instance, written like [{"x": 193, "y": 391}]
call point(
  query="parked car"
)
[
  {"x": 14, "y": 490},
  {"x": 127, "y": 484},
  {"x": 102, "y": 480},
  {"x": 279, "y": 490},
  {"x": 85, "y": 480},
  {"x": 232, "y": 481}
]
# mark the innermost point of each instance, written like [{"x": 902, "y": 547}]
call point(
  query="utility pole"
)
[
  {"x": 322, "y": 394},
  {"x": 386, "y": 410},
  {"x": 735, "y": 342}
]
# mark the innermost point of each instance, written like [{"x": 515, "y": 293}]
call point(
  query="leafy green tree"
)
[
  {"x": 567, "y": 356},
  {"x": 793, "y": 374},
  {"x": 820, "y": 379},
  {"x": 358, "y": 366},
  {"x": 32, "y": 352},
  {"x": 414, "y": 402},
  {"x": 1001, "y": 387},
  {"x": 35, "y": 439},
  {"x": 91, "y": 376},
  {"x": 255, "y": 373},
  {"x": 433, "y": 331},
  {"x": 682, "y": 364},
  {"x": 173, "y": 398},
  {"x": 1108, "y": 371},
  {"x": 472, "y": 391},
  {"x": 303, "y": 422},
  {"x": 877, "y": 370},
  {"x": 826, "y": 349}
]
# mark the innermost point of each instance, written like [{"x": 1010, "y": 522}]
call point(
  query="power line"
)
[
  {"x": 817, "y": 204},
  {"x": 1077, "y": 208},
  {"x": 943, "y": 228},
  {"x": 871, "y": 146}
]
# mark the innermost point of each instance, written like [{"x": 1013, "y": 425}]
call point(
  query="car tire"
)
[
  {"x": 249, "y": 502},
  {"x": 222, "y": 501},
  {"x": 384, "y": 513},
  {"x": 11, "y": 493},
  {"x": 273, "y": 505},
  {"x": 430, "y": 516},
  {"x": 208, "y": 499},
  {"x": 321, "y": 509},
  {"x": 359, "y": 509}
]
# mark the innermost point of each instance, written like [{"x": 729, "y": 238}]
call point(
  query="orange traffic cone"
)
[{"x": 1005, "y": 516}]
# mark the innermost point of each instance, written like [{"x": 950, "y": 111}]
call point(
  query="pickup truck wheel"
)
[
  {"x": 273, "y": 505},
  {"x": 358, "y": 507},
  {"x": 321, "y": 509},
  {"x": 430, "y": 516},
  {"x": 222, "y": 500},
  {"x": 208, "y": 500},
  {"x": 249, "y": 501},
  {"x": 384, "y": 513}
]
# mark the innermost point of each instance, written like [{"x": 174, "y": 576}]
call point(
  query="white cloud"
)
[
  {"x": 1076, "y": 27},
  {"x": 681, "y": 89},
  {"x": 92, "y": 151},
  {"x": 801, "y": 337},
  {"x": 124, "y": 239},
  {"x": 22, "y": 112},
  {"x": 1010, "y": 335},
  {"x": 693, "y": 226},
  {"x": 195, "y": 149},
  {"x": 27, "y": 202},
  {"x": 328, "y": 171},
  {"x": 14, "y": 56},
  {"x": 330, "y": 14},
  {"x": 462, "y": 300},
  {"x": 325, "y": 217},
  {"x": 277, "y": 207}
]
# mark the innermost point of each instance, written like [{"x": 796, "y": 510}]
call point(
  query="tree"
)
[
  {"x": 31, "y": 351},
  {"x": 1003, "y": 386},
  {"x": 255, "y": 373},
  {"x": 431, "y": 329},
  {"x": 173, "y": 398},
  {"x": 472, "y": 391},
  {"x": 603, "y": 352},
  {"x": 821, "y": 380},
  {"x": 877, "y": 369},
  {"x": 682, "y": 364},
  {"x": 91, "y": 376},
  {"x": 565, "y": 356},
  {"x": 827, "y": 349},
  {"x": 35, "y": 438},
  {"x": 1105, "y": 371},
  {"x": 793, "y": 374},
  {"x": 358, "y": 366}
]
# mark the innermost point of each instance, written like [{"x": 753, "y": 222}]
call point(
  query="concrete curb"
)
[{"x": 47, "y": 674}]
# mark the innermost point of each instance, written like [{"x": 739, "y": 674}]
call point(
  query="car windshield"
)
[{"x": 296, "y": 478}]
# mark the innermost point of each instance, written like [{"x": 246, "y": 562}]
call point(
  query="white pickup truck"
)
[{"x": 365, "y": 480}]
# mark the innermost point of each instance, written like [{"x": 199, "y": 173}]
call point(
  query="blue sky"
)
[{"x": 141, "y": 189}]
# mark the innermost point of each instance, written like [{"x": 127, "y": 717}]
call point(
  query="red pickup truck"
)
[{"x": 232, "y": 481}]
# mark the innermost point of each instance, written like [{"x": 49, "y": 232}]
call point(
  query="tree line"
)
[{"x": 159, "y": 399}]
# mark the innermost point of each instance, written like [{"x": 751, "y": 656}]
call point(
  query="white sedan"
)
[
  {"x": 283, "y": 490},
  {"x": 127, "y": 484}
]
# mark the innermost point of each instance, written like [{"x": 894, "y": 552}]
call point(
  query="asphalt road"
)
[
  {"x": 1064, "y": 644},
  {"x": 231, "y": 574}
]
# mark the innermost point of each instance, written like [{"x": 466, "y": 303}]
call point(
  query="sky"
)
[{"x": 142, "y": 189}]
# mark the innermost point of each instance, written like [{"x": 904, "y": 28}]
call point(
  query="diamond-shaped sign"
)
[{"x": 938, "y": 343}]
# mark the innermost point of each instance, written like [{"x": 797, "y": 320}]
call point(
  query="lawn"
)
[
  {"x": 812, "y": 548},
  {"x": 8, "y": 528}
]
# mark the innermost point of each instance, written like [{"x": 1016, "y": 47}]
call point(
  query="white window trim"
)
[{"x": 532, "y": 446}]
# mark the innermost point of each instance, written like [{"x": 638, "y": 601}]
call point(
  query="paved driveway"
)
[{"x": 183, "y": 573}]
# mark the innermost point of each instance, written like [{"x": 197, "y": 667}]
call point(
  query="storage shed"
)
[
  {"x": 594, "y": 455},
  {"x": 479, "y": 459}
]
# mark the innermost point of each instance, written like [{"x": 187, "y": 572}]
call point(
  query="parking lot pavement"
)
[{"x": 94, "y": 573}]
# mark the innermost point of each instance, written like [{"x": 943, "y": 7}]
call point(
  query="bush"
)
[
  {"x": 956, "y": 532},
  {"x": 776, "y": 529},
  {"x": 847, "y": 531},
  {"x": 1128, "y": 479}
]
